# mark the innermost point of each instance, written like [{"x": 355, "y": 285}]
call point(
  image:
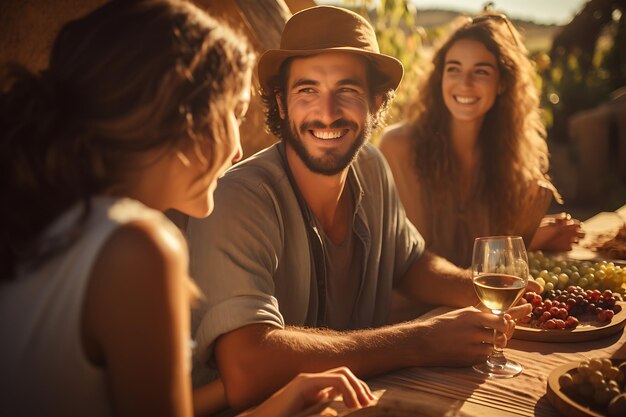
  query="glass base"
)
[{"x": 506, "y": 369}]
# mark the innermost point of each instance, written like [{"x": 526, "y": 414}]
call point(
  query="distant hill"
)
[{"x": 537, "y": 37}]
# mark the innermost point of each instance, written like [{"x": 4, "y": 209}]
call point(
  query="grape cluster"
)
[
  {"x": 599, "y": 382},
  {"x": 559, "y": 274},
  {"x": 562, "y": 309}
]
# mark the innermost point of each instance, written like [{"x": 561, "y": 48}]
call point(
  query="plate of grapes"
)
[
  {"x": 582, "y": 300},
  {"x": 572, "y": 315},
  {"x": 589, "y": 388}
]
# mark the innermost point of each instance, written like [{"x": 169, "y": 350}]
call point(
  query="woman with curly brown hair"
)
[
  {"x": 471, "y": 158},
  {"x": 138, "y": 112}
]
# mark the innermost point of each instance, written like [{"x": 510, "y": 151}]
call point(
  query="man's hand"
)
[
  {"x": 515, "y": 313},
  {"x": 463, "y": 337},
  {"x": 521, "y": 309}
]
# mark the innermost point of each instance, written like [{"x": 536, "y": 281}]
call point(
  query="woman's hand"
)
[
  {"x": 557, "y": 233},
  {"x": 307, "y": 389},
  {"x": 533, "y": 286}
]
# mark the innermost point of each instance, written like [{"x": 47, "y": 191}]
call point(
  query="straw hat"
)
[{"x": 323, "y": 29}]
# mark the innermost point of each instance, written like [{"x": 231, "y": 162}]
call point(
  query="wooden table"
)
[
  {"x": 463, "y": 392},
  {"x": 459, "y": 392}
]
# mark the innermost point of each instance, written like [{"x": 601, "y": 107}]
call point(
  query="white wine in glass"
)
[{"x": 500, "y": 275}]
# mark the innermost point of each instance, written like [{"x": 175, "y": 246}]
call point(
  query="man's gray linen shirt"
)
[{"x": 252, "y": 260}]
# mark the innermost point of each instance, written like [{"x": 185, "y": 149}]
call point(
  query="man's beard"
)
[{"x": 331, "y": 163}]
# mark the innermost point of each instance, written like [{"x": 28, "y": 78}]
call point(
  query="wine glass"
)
[{"x": 500, "y": 275}]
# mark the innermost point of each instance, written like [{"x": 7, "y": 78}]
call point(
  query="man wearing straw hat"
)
[{"x": 309, "y": 239}]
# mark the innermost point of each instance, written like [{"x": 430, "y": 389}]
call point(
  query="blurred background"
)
[{"x": 578, "y": 48}]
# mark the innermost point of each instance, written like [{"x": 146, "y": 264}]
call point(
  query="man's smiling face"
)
[{"x": 329, "y": 110}]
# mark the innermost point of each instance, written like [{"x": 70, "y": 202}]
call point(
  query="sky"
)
[{"x": 540, "y": 11}]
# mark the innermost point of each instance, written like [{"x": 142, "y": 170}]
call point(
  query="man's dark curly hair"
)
[{"x": 278, "y": 85}]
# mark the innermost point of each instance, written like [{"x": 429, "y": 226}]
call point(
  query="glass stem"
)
[
  {"x": 496, "y": 349},
  {"x": 496, "y": 358}
]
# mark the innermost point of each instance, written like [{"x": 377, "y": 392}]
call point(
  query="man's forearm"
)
[
  {"x": 274, "y": 356},
  {"x": 434, "y": 280},
  {"x": 257, "y": 359},
  {"x": 367, "y": 352}
]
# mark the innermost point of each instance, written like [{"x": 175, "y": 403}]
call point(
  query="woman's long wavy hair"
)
[
  {"x": 512, "y": 145},
  {"x": 131, "y": 76}
]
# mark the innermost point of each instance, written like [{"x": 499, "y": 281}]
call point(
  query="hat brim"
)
[{"x": 388, "y": 66}]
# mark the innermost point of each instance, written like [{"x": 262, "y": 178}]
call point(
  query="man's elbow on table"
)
[{"x": 243, "y": 369}]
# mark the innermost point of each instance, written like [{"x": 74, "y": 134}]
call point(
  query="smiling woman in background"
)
[
  {"x": 471, "y": 158},
  {"x": 137, "y": 112}
]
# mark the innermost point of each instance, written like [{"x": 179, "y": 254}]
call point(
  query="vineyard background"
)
[{"x": 580, "y": 69}]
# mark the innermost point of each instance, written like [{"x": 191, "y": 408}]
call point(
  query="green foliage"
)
[{"x": 398, "y": 36}]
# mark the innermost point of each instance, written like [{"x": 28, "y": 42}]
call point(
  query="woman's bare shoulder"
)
[
  {"x": 149, "y": 237},
  {"x": 396, "y": 141},
  {"x": 144, "y": 252},
  {"x": 139, "y": 280}
]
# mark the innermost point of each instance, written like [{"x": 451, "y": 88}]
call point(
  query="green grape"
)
[
  {"x": 577, "y": 378},
  {"x": 583, "y": 368},
  {"x": 586, "y": 389},
  {"x": 566, "y": 380},
  {"x": 595, "y": 364},
  {"x": 553, "y": 279},
  {"x": 601, "y": 396},
  {"x": 596, "y": 378},
  {"x": 614, "y": 392},
  {"x": 611, "y": 373},
  {"x": 613, "y": 384},
  {"x": 559, "y": 274},
  {"x": 606, "y": 365}
]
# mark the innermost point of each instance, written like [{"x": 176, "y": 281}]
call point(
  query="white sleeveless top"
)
[{"x": 43, "y": 369}]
